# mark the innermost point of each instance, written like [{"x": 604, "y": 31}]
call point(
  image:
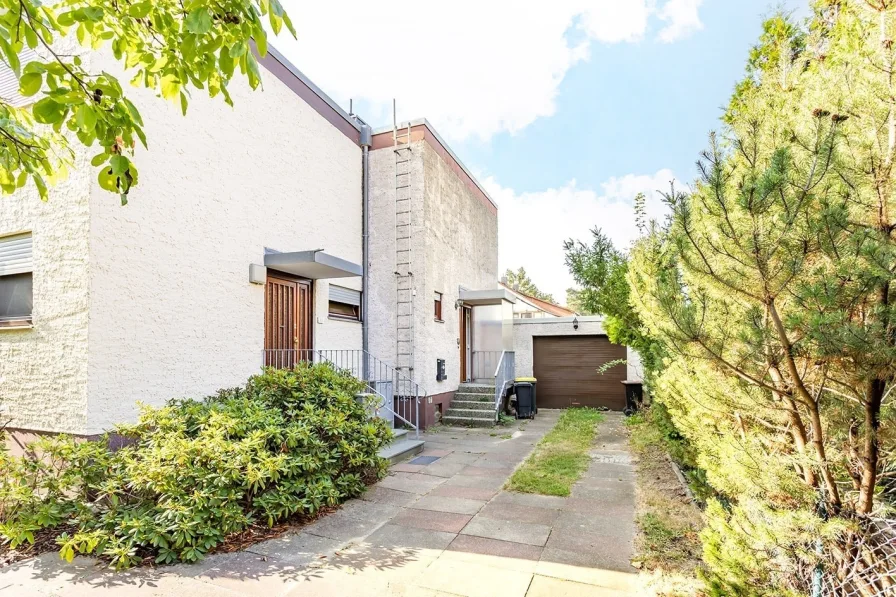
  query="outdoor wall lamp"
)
[{"x": 575, "y": 323}]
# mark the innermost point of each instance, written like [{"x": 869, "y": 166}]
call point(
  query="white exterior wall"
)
[
  {"x": 525, "y": 329},
  {"x": 172, "y": 312},
  {"x": 43, "y": 370},
  {"x": 152, "y": 301}
]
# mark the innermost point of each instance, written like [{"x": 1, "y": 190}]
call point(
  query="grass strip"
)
[{"x": 560, "y": 457}]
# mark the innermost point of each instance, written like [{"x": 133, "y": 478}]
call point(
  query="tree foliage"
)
[
  {"x": 600, "y": 269},
  {"x": 771, "y": 293},
  {"x": 519, "y": 280},
  {"x": 170, "y": 46},
  {"x": 288, "y": 443}
]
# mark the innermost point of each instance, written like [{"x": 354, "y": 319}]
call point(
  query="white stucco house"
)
[
  {"x": 104, "y": 306},
  {"x": 279, "y": 230}
]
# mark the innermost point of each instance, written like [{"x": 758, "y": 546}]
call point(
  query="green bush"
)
[{"x": 289, "y": 443}]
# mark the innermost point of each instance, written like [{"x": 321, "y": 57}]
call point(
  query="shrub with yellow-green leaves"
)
[{"x": 289, "y": 443}]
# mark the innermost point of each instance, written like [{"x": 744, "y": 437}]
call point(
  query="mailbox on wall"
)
[{"x": 440, "y": 370}]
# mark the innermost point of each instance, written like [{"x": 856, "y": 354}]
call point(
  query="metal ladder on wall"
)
[{"x": 404, "y": 275}]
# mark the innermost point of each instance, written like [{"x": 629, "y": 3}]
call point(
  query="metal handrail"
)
[
  {"x": 504, "y": 375},
  {"x": 483, "y": 361},
  {"x": 400, "y": 396}
]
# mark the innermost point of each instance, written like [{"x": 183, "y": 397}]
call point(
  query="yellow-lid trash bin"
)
[{"x": 531, "y": 408}]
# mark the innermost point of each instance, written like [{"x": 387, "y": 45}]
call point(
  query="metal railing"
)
[
  {"x": 861, "y": 564},
  {"x": 484, "y": 363},
  {"x": 399, "y": 395},
  {"x": 504, "y": 376}
]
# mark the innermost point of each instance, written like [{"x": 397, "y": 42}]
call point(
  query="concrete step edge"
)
[{"x": 402, "y": 450}]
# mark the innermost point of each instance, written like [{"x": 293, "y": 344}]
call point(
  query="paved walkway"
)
[{"x": 443, "y": 528}]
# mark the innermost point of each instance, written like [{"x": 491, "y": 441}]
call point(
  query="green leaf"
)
[
  {"x": 140, "y": 9},
  {"x": 99, "y": 159},
  {"x": 119, "y": 164},
  {"x": 261, "y": 40},
  {"x": 85, "y": 117},
  {"x": 108, "y": 181},
  {"x": 30, "y": 84},
  {"x": 92, "y": 13},
  {"x": 11, "y": 56},
  {"x": 48, "y": 111},
  {"x": 41, "y": 186},
  {"x": 199, "y": 21},
  {"x": 238, "y": 49},
  {"x": 170, "y": 86},
  {"x": 253, "y": 71},
  {"x": 183, "y": 103}
]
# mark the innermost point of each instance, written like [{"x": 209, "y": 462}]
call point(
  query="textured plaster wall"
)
[
  {"x": 461, "y": 251},
  {"x": 525, "y": 329},
  {"x": 43, "y": 370},
  {"x": 455, "y": 244},
  {"x": 172, "y": 312}
]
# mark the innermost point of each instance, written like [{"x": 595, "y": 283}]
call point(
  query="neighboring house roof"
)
[
  {"x": 422, "y": 130},
  {"x": 555, "y": 310}
]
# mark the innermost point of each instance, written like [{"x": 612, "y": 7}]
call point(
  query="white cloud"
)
[
  {"x": 473, "y": 67},
  {"x": 682, "y": 18},
  {"x": 533, "y": 226}
]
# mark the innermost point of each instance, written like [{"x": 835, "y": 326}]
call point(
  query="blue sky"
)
[{"x": 563, "y": 113}]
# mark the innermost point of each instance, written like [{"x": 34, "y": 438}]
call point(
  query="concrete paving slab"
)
[
  {"x": 603, "y": 483},
  {"x": 531, "y": 500},
  {"x": 473, "y": 580},
  {"x": 297, "y": 548},
  {"x": 514, "y": 531},
  {"x": 609, "y": 471},
  {"x": 395, "y": 536},
  {"x": 545, "y": 586},
  {"x": 369, "y": 511},
  {"x": 249, "y": 574},
  {"x": 411, "y": 482},
  {"x": 478, "y": 471},
  {"x": 495, "y": 547},
  {"x": 393, "y": 497},
  {"x": 341, "y": 527},
  {"x": 593, "y": 525},
  {"x": 494, "y": 482},
  {"x": 516, "y": 512},
  {"x": 457, "y": 505},
  {"x": 457, "y": 491},
  {"x": 444, "y": 469},
  {"x": 495, "y": 465},
  {"x": 434, "y": 521},
  {"x": 405, "y": 467},
  {"x": 602, "y": 577}
]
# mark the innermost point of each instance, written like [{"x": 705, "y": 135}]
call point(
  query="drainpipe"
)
[{"x": 366, "y": 138}]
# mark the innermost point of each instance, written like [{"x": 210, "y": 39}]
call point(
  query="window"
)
[
  {"x": 345, "y": 303},
  {"x": 438, "y": 306},
  {"x": 15, "y": 280}
]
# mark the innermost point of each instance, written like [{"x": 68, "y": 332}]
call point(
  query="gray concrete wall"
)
[
  {"x": 455, "y": 245},
  {"x": 461, "y": 251},
  {"x": 525, "y": 329}
]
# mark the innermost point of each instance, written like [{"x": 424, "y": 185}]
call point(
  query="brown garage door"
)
[{"x": 566, "y": 369}]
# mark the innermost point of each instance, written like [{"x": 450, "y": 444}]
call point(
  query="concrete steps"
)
[
  {"x": 473, "y": 406},
  {"x": 403, "y": 446}
]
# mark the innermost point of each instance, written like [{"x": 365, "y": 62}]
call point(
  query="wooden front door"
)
[
  {"x": 287, "y": 320},
  {"x": 466, "y": 344}
]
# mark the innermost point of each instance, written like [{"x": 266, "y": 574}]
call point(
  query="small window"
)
[
  {"x": 345, "y": 303},
  {"x": 438, "y": 306},
  {"x": 15, "y": 280}
]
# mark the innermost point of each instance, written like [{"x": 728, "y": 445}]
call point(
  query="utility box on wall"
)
[{"x": 440, "y": 370}]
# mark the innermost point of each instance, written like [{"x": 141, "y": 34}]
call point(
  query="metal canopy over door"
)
[
  {"x": 566, "y": 370},
  {"x": 287, "y": 320}
]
